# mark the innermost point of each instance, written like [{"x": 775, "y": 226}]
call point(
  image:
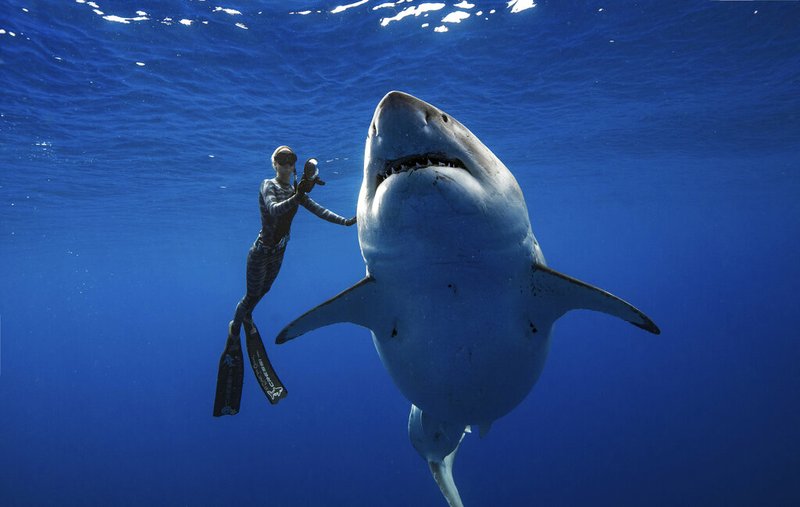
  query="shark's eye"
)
[
  {"x": 374, "y": 129},
  {"x": 444, "y": 118}
]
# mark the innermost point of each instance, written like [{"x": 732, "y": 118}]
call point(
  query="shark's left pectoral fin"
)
[
  {"x": 352, "y": 305},
  {"x": 564, "y": 293}
]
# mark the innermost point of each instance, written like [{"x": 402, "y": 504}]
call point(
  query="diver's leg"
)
[
  {"x": 262, "y": 270},
  {"x": 262, "y": 367},
  {"x": 259, "y": 279},
  {"x": 230, "y": 375}
]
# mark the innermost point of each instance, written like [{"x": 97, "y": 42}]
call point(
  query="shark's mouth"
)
[{"x": 414, "y": 162}]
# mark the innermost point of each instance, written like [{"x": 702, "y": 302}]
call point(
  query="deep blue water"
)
[{"x": 657, "y": 145}]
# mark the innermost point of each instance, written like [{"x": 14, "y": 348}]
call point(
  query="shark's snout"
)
[
  {"x": 399, "y": 99},
  {"x": 400, "y": 110}
]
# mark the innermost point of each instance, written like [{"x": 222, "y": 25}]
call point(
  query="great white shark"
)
[{"x": 457, "y": 294}]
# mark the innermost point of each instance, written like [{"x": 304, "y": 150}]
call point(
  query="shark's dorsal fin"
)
[
  {"x": 565, "y": 293},
  {"x": 352, "y": 305}
]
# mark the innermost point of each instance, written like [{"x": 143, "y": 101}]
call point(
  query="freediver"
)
[{"x": 278, "y": 199}]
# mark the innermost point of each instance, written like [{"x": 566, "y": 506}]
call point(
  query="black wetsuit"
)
[{"x": 278, "y": 204}]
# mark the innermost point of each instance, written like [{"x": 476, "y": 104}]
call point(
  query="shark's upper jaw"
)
[
  {"x": 408, "y": 134},
  {"x": 416, "y": 162}
]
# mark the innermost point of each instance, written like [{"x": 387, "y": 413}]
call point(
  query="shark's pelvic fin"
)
[
  {"x": 437, "y": 442},
  {"x": 353, "y": 305},
  {"x": 565, "y": 293}
]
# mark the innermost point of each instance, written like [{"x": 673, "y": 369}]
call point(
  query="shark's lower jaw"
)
[{"x": 415, "y": 162}]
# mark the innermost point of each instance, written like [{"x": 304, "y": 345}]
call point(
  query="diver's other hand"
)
[{"x": 350, "y": 221}]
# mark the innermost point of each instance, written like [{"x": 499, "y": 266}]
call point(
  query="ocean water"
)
[{"x": 658, "y": 148}]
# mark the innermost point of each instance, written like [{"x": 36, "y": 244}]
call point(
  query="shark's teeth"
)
[{"x": 414, "y": 162}]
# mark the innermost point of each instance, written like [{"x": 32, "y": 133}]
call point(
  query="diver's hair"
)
[{"x": 275, "y": 154}]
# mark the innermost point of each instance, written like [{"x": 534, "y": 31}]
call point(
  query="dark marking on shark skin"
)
[
  {"x": 465, "y": 352},
  {"x": 440, "y": 176},
  {"x": 533, "y": 328},
  {"x": 452, "y": 287},
  {"x": 394, "y": 331}
]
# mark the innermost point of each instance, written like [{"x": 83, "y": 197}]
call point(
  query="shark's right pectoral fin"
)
[
  {"x": 563, "y": 293},
  {"x": 353, "y": 305}
]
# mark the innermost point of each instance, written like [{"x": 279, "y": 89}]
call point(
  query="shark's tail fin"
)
[
  {"x": 437, "y": 442},
  {"x": 443, "y": 475},
  {"x": 562, "y": 293}
]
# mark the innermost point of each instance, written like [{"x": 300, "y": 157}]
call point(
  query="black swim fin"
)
[
  {"x": 229, "y": 378},
  {"x": 265, "y": 373}
]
